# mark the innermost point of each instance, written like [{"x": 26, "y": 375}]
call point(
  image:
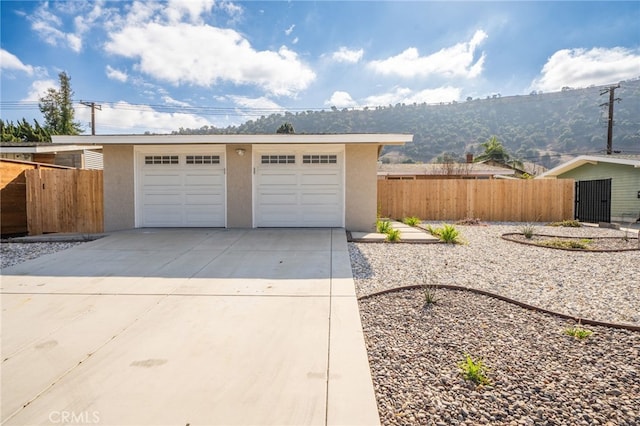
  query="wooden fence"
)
[
  {"x": 13, "y": 195},
  {"x": 527, "y": 200},
  {"x": 64, "y": 201}
]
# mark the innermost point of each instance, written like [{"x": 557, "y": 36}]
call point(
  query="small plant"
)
[
  {"x": 578, "y": 332},
  {"x": 569, "y": 223},
  {"x": 528, "y": 230},
  {"x": 449, "y": 234},
  {"x": 429, "y": 292},
  {"x": 566, "y": 244},
  {"x": 411, "y": 221},
  {"x": 383, "y": 226},
  {"x": 474, "y": 370},
  {"x": 393, "y": 235}
]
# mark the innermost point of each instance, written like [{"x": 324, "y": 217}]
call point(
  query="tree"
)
[
  {"x": 286, "y": 128},
  {"x": 57, "y": 108},
  {"x": 22, "y": 131},
  {"x": 493, "y": 150}
]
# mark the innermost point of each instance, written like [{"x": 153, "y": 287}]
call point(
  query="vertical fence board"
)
[{"x": 492, "y": 200}]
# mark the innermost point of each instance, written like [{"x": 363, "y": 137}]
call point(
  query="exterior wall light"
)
[{"x": 240, "y": 151}]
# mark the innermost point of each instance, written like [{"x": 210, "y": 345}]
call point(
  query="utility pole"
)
[
  {"x": 93, "y": 107},
  {"x": 611, "y": 90}
]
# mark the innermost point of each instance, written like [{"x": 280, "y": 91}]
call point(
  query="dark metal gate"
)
[{"x": 593, "y": 200}]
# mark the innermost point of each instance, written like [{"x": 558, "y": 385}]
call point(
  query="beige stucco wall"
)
[
  {"x": 239, "y": 186},
  {"x": 361, "y": 191},
  {"x": 119, "y": 192}
]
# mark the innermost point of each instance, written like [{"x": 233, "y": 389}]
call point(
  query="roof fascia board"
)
[
  {"x": 586, "y": 159},
  {"x": 365, "y": 138},
  {"x": 44, "y": 149}
]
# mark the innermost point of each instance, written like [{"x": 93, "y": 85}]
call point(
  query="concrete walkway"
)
[
  {"x": 408, "y": 234},
  {"x": 187, "y": 326}
]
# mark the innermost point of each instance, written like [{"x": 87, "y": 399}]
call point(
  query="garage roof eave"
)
[{"x": 345, "y": 138}]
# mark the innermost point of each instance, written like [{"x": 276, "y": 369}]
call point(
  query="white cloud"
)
[
  {"x": 39, "y": 88},
  {"x": 289, "y": 30},
  {"x": 454, "y": 61},
  {"x": 115, "y": 74},
  {"x": 204, "y": 55},
  {"x": 49, "y": 26},
  {"x": 582, "y": 68},
  {"x": 405, "y": 95},
  {"x": 170, "y": 101},
  {"x": 10, "y": 61},
  {"x": 123, "y": 117},
  {"x": 349, "y": 56},
  {"x": 340, "y": 99},
  {"x": 261, "y": 103},
  {"x": 176, "y": 9}
]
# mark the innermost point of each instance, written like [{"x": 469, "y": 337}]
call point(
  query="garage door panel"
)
[
  {"x": 320, "y": 199},
  {"x": 321, "y": 179},
  {"x": 278, "y": 198},
  {"x": 307, "y": 192},
  {"x": 162, "y": 179},
  {"x": 166, "y": 216},
  {"x": 211, "y": 199},
  {"x": 189, "y": 191},
  {"x": 162, "y": 198},
  {"x": 204, "y": 179},
  {"x": 275, "y": 178}
]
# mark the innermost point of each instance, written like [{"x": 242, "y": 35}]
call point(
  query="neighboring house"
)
[
  {"x": 240, "y": 181},
  {"x": 620, "y": 174},
  {"x": 442, "y": 171},
  {"x": 78, "y": 157}
]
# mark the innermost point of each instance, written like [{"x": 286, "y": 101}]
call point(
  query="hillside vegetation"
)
[{"x": 537, "y": 127}]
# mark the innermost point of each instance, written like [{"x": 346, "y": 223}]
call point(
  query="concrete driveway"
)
[{"x": 187, "y": 327}]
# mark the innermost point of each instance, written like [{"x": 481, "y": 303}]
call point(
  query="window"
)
[
  {"x": 203, "y": 159},
  {"x": 319, "y": 159},
  {"x": 278, "y": 159},
  {"x": 160, "y": 159}
]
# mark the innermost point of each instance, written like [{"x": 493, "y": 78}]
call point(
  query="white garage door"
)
[
  {"x": 303, "y": 188},
  {"x": 181, "y": 189}
]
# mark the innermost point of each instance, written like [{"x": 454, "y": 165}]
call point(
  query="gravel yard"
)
[
  {"x": 14, "y": 253},
  {"x": 596, "y": 285},
  {"x": 539, "y": 375}
]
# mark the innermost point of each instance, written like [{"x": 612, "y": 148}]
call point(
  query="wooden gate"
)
[
  {"x": 593, "y": 200},
  {"x": 64, "y": 201}
]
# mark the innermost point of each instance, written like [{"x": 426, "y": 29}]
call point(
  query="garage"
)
[
  {"x": 180, "y": 188},
  {"x": 299, "y": 186}
]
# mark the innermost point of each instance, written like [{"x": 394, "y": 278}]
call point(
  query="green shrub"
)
[
  {"x": 429, "y": 293},
  {"x": 578, "y": 332},
  {"x": 447, "y": 233},
  {"x": 474, "y": 370},
  {"x": 383, "y": 226},
  {"x": 393, "y": 235},
  {"x": 411, "y": 221},
  {"x": 528, "y": 230}
]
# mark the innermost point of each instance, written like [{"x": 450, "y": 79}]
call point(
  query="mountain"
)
[{"x": 540, "y": 127}]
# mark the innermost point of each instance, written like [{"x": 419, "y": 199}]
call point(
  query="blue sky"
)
[{"x": 159, "y": 66}]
